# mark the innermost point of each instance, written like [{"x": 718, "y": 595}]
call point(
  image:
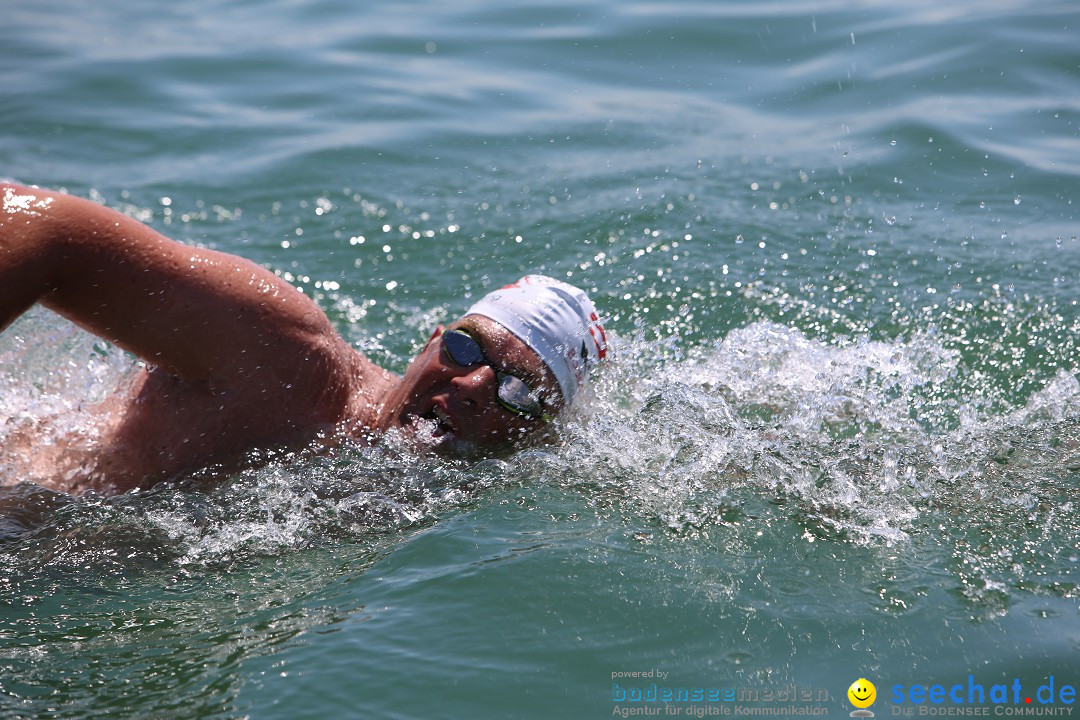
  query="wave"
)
[{"x": 853, "y": 441}]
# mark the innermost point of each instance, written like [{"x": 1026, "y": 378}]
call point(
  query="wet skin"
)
[
  {"x": 460, "y": 403},
  {"x": 236, "y": 358}
]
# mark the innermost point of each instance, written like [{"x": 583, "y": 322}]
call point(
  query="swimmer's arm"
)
[{"x": 202, "y": 315}]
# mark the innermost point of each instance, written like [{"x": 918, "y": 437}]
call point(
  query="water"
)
[{"x": 837, "y": 245}]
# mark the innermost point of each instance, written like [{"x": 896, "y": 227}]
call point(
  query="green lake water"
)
[{"x": 836, "y": 246}]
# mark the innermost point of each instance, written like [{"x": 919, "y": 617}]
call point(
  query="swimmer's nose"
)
[{"x": 475, "y": 386}]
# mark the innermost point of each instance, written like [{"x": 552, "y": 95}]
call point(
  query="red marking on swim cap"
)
[{"x": 601, "y": 343}]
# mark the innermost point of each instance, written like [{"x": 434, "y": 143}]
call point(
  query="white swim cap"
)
[{"x": 556, "y": 320}]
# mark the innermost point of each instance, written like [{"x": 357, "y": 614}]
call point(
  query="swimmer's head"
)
[
  {"x": 555, "y": 320},
  {"x": 494, "y": 377}
]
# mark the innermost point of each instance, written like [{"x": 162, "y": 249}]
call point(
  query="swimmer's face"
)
[
  {"x": 862, "y": 693},
  {"x": 454, "y": 409}
]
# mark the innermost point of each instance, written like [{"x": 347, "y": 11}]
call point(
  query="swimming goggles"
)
[{"x": 512, "y": 392}]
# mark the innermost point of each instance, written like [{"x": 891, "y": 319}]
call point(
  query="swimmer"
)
[{"x": 238, "y": 359}]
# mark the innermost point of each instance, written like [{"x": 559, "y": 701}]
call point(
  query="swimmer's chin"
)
[
  {"x": 434, "y": 435},
  {"x": 428, "y": 435}
]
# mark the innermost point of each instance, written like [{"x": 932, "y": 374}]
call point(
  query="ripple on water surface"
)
[{"x": 767, "y": 436}]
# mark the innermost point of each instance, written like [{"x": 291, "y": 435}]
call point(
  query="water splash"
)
[
  {"x": 873, "y": 444},
  {"x": 867, "y": 443}
]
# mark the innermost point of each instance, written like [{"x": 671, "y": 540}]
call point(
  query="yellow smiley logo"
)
[{"x": 862, "y": 693}]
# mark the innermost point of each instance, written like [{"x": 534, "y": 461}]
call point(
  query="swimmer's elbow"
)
[{"x": 28, "y": 263}]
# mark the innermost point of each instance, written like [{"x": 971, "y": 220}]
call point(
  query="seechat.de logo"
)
[{"x": 862, "y": 695}]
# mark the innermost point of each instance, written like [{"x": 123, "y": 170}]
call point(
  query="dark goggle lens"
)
[{"x": 462, "y": 348}]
